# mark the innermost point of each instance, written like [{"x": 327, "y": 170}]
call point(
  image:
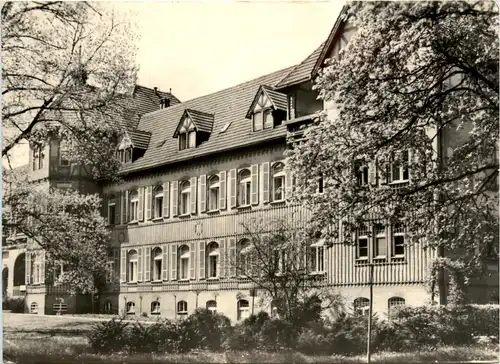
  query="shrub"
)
[
  {"x": 109, "y": 336},
  {"x": 16, "y": 305},
  {"x": 277, "y": 334}
]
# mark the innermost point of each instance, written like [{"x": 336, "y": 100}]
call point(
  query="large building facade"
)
[{"x": 193, "y": 174}]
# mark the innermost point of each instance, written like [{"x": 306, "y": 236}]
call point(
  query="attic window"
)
[
  {"x": 268, "y": 109},
  {"x": 225, "y": 127},
  {"x": 194, "y": 128},
  {"x": 187, "y": 140}
]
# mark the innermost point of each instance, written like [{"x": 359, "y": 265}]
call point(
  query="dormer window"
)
[
  {"x": 194, "y": 128},
  {"x": 268, "y": 109},
  {"x": 133, "y": 145}
]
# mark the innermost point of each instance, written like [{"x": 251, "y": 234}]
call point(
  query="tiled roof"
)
[
  {"x": 302, "y": 72},
  {"x": 148, "y": 100},
  {"x": 278, "y": 99},
  {"x": 139, "y": 138},
  {"x": 202, "y": 121},
  {"x": 228, "y": 106}
]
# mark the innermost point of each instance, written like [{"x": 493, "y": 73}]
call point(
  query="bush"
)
[
  {"x": 15, "y": 305},
  {"x": 109, "y": 336}
]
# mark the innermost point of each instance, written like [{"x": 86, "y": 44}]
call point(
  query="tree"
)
[
  {"x": 414, "y": 76},
  {"x": 275, "y": 256},
  {"x": 66, "y": 70},
  {"x": 69, "y": 228}
]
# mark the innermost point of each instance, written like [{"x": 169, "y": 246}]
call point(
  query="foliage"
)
[
  {"x": 414, "y": 75},
  {"x": 14, "y": 304},
  {"x": 109, "y": 336},
  {"x": 66, "y": 67}
]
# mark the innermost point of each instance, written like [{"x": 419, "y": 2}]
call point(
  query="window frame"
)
[
  {"x": 361, "y": 306},
  {"x": 213, "y": 186},
  {"x": 157, "y": 206},
  {"x": 182, "y": 308},
  {"x": 155, "y": 308},
  {"x": 244, "y": 188},
  {"x": 156, "y": 271},
  {"x": 254, "y": 119},
  {"x": 401, "y": 171},
  {"x": 363, "y": 233},
  {"x": 393, "y": 302},
  {"x": 184, "y": 261},
  {"x": 243, "y": 309},
  {"x": 132, "y": 265},
  {"x": 133, "y": 206},
  {"x": 107, "y": 307},
  {"x": 242, "y": 259},
  {"x": 111, "y": 206},
  {"x": 278, "y": 172},
  {"x": 185, "y": 189},
  {"x": 183, "y": 141},
  {"x": 267, "y": 111},
  {"x": 191, "y": 139},
  {"x": 213, "y": 254},
  {"x": 317, "y": 252},
  {"x": 395, "y": 234},
  {"x": 211, "y": 306},
  {"x": 379, "y": 232},
  {"x": 130, "y": 308}
]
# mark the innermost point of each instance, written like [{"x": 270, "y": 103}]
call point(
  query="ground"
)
[{"x": 61, "y": 339}]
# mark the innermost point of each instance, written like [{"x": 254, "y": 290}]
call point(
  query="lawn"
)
[{"x": 50, "y": 339}]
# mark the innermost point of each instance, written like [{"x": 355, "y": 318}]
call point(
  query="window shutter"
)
[
  {"x": 254, "y": 195},
  {"x": 116, "y": 258},
  {"x": 123, "y": 205},
  {"x": 127, "y": 212},
  {"x": 105, "y": 208},
  {"x": 123, "y": 266},
  {"x": 147, "y": 264},
  {"x": 139, "y": 265},
  {"x": 203, "y": 193},
  {"x": 265, "y": 182},
  {"x": 149, "y": 201},
  {"x": 28, "y": 268},
  {"x": 193, "y": 195},
  {"x": 232, "y": 184},
  {"x": 232, "y": 257},
  {"x": 42, "y": 267},
  {"x": 175, "y": 197},
  {"x": 166, "y": 199},
  {"x": 326, "y": 258},
  {"x": 222, "y": 190},
  {"x": 140, "y": 213},
  {"x": 223, "y": 258},
  {"x": 173, "y": 262},
  {"x": 164, "y": 266},
  {"x": 202, "y": 259},
  {"x": 118, "y": 212},
  {"x": 372, "y": 173},
  {"x": 192, "y": 260},
  {"x": 288, "y": 184}
]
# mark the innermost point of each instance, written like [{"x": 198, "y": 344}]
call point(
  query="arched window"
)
[
  {"x": 155, "y": 308},
  {"x": 395, "y": 302},
  {"x": 213, "y": 260},
  {"x": 107, "y": 307},
  {"x": 34, "y": 307},
  {"x": 111, "y": 209},
  {"x": 212, "y": 306},
  {"x": 243, "y": 258},
  {"x": 182, "y": 308},
  {"x": 278, "y": 182},
  {"x": 213, "y": 193},
  {"x": 130, "y": 308},
  {"x": 133, "y": 205},
  {"x": 361, "y": 306},
  {"x": 243, "y": 310},
  {"x": 156, "y": 266},
  {"x": 244, "y": 190},
  {"x": 185, "y": 200},
  {"x": 184, "y": 256},
  {"x": 132, "y": 266},
  {"x": 158, "y": 202}
]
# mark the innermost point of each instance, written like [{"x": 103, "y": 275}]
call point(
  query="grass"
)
[{"x": 30, "y": 339}]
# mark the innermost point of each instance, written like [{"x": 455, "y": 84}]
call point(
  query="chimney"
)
[{"x": 156, "y": 91}]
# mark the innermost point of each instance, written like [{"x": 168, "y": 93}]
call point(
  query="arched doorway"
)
[
  {"x": 20, "y": 270},
  {"x": 5, "y": 280}
]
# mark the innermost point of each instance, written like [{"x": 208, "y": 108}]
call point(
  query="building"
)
[{"x": 193, "y": 172}]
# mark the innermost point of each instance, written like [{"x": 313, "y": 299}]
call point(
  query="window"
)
[
  {"x": 185, "y": 203},
  {"x": 133, "y": 206},
  {"x": 184, "y": 262},
  {"x": 278, "y": 182},
  {"x": 398, "y": 241},
  {"x": 38, "y": 157},
  {"x": 157, "y": 264},
  {"x": 182, "y": 308},
  {"x": 399, "y": 172},
  {"x": 212, "y": 306},
  {"x": 158, "y": 202},
  {"x": 243, "y": 310},
  {"x": 155, "y": 308},
  {"x": 107, "y": 307},
  {"x": 213, "y": 193},
  {"x": 110, "y": 267},
  {"x": 280, "y": 259},
  {"x": 320, "y": 184},
  {"x": 361, "y": 306},
  {"x": 257, "y": 121},
  {"x": 243, "y": 259},
  {"x": 268, "y": 119},
  {"x": 132, "y": 266},
  {"x": 362, "y": 243},
  {"x": 318, "y": 257},
  {"x": 362, "y": 175},
  {"x": 182, "y": 141},
  {"x": 128, "y": 155},
  {"x": 130, "y": 308},
  {"x": 63, "y": 153},
  {"x": 34, "y": 307},
  {"x": 244, "y": 191},
  {"x": 213, "y": 260},
  {"x": 393, "y": 303},
  {"x": 111, "y": 210},
  {"x": 380, "y": 242},
  {"x": 192, "y": 139}
]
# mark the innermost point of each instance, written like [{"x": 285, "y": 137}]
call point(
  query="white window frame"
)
[
  {"x": 398, "y": 231},
  {"x": 130, "y": 308},
  {"x": 132, "y": 263},
  {"x": 111, "y": 210},
  {"x": 158, "y": 202},
  {"x": 213, "y": 193},
  {"x": 280, "y": 174},
  {"x": 183, "y": 141},
  {"x": 401, "y": 169},
  {"x": 244, "y": 188},
  {"x": 260, "y": 126},
  {"x": 155, "y": 308},
  {"x": 185, "y": 202},
  {"x": 361, "y": 309},
  {"x": 182, "y": 308},
  {"x": 213, "y": 258},
  {"x": 184, "y": 260},
  {"x": 395, "y": 301},
  {"x": 363, "y": 233},
  {"x": 379, "y": 233},
  {"x": 191, "y": 139},
  {"x": 318, "y": 257},
  {"x": 157, "y": 264},
  {"x": 269, "y": 112},
  {"x": 212, "y": 306},
  {"x": 134, "y": 206},
  {"x": 243, "y": 309}
]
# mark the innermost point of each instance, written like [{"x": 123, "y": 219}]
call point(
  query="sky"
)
[{"x": 196, "y": 48}]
